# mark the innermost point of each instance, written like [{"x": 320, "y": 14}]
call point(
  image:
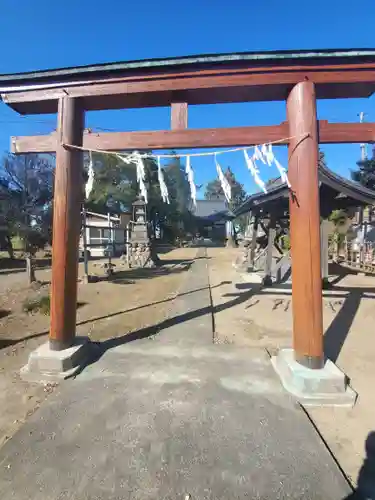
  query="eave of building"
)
[{"x": 342, "y": 193}]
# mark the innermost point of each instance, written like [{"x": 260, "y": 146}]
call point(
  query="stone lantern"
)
[
  {"x": 139, "y": 211},
  {"x": 142, "y": 253}
]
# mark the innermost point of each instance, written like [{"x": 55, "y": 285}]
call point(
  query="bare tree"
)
[{"x": 28, "y": 202}]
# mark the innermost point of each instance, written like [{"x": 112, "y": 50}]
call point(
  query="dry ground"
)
[
  {"x": 246, "y": 316},
  {"x": 134, "y": 299},
  {"x": 243, "y": 315}
]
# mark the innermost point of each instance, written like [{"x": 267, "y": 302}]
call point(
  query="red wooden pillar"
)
[
  {"x": 305, "y": 226},
  {"x": 68, "y": 196}
]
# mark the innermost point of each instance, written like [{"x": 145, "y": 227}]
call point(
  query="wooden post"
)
[
  {"x": 267, "y": 280},
  {"x": 84, "y": 239},
  {"x": 30, "y": 271},
  {"x": 324, "y": 237},
  {"x": 109, "y": 244},
  {"x": 127, "y": 243},
  {"x": 253, "y": 242},
  {"x": 68, "y": 197},
  {"x": 305, "y": 226},
  {"x": 179, "y": 115}
]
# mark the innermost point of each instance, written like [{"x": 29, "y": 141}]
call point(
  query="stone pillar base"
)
[
  {"x": 323, "y": 387},
  {"x": 267, "y": 281},
  {"x": 143, "y": 255},
  {"x": 89, "y": 278},
  {"x": 45, "y": 365}
]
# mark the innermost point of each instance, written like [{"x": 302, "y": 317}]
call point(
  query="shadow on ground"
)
[
  {"x": 350, "y": 298},
  {"x": 16, "y": 265},
  {"x": 127, "y": 337},
  {"x": 366, "y": 477},
  {"x": 10, "y": 266},
  {"x": 4, "y": 313},
  {"x": 7, "y": 263},
  {"x": 334, "y": 337},
  {"x": 4, "y": 342},
  {"x": 166, "y": 267}
]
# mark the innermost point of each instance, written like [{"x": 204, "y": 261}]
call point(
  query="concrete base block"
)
[
  {"x": 45, "y": 365},
  {"x": 324, "y": 387},
  {"x": 251, "y": 278},
  {"x": 267, "y": 281}
]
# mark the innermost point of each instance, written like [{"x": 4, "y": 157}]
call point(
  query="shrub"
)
[
  {"x": 40, "y": 304},
  {"x": 285, "y": 242}
]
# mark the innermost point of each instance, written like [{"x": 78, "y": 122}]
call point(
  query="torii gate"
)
[{"x": 297, "y": 77}]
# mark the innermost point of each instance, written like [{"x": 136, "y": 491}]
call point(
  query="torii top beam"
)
[{"x": 202, "y": 79}]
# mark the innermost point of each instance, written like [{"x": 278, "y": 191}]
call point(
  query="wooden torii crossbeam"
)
[
  {"x": 329, "y": 133},
  {"x": 299, "y": 78}
]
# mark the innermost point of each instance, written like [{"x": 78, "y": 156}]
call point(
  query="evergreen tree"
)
[
  {"x": 115, "y": 189},
  {"x": 214, "y": 191},
  {"x": 365, "y": 174}
]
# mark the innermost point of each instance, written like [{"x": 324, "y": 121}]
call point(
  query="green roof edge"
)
[{"x": 267, "y": 56}]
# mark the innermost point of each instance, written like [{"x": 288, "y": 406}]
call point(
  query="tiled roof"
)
[{"x": 205, "y": 208}]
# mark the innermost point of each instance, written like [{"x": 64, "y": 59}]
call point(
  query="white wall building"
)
[{"x": 104, "y": 235}]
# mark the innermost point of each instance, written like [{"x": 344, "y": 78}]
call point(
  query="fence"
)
[{"x": 358, "y": 256}]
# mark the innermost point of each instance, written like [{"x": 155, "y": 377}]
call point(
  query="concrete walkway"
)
[
  {"x": 191, "y": 319},
  {"x": 171, "y": 415}
]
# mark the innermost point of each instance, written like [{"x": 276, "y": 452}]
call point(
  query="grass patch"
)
[{"x": 39, "y": 304}]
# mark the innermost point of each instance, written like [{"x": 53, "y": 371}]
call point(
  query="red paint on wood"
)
[
  {"x": 179, "y": 115},
  {"x": 221, "y": 137},
  {"x": 305, "y": 226},
  {"x": 68, "y": 196}
]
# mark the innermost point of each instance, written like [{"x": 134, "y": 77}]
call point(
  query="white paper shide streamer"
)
[
  {"x": 268, "y": 154},
  {"x": 262, "y": 153},
  {"x": 141, "y": 173},
  {"x": 90, "y": 181},
  {"x": 258, "y": 155},
  {"x": 270, "y": 157},
  {"x": 282, "y": 172},
  {"x": 254, "y": 171},
  {"x": 224, "y": 182},
  {"x": 190, "y": 176},
  {"x": 162, "y": 184}
]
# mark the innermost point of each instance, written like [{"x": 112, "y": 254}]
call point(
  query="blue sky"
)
[{"x": 41, "y": 34}]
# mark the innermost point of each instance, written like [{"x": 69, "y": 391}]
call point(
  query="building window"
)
[
  {"x": 94, "y": 233},
  {"x": 99, "y": 236}
]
